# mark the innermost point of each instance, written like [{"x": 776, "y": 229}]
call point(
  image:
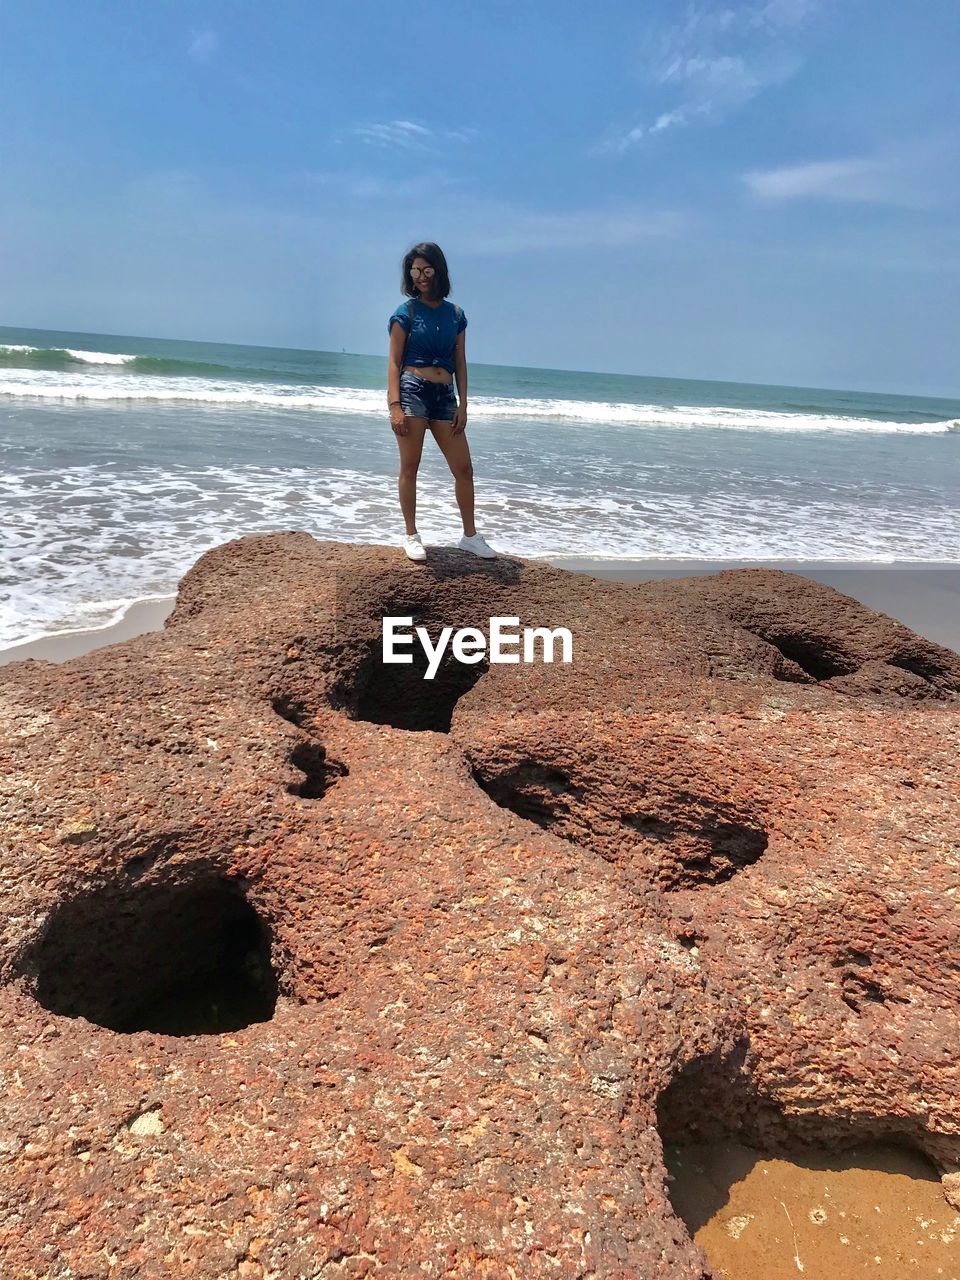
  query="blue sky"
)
[{"x": 766, "y": 192}]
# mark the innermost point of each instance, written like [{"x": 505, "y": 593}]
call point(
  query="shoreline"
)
[
  {"x": 924, "y": 595},
  {"x": 139, "y": 617}
]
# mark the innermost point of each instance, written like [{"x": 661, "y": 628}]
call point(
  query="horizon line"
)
[{"x": 652, "y": 377}]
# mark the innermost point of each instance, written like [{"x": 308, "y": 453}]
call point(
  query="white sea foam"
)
[
  {"x": 134, "y": 388},
  {"x": 79, "y": 543},
  {"x": 82, "y": 357},
  {"x": 99, "y": 357},
  {"x": 85, "y": 357}
]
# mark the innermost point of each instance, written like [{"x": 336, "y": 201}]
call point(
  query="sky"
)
[{"x": 763, "y": 192}]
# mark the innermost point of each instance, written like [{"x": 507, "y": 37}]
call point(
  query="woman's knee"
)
[{"x": 462, "y": 470}]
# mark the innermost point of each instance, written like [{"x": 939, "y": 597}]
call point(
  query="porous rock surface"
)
[{"x": 527, "y": 923}]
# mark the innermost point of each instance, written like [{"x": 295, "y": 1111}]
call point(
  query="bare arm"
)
[
  {"x": 460, "y": 365},
  {"x": 398, "y": 340}
]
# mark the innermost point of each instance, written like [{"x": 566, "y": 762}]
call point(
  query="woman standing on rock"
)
[{"x": 427, "y": 347}]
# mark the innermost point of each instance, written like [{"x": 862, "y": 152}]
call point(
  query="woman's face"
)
[{"x": 422, "y": 275}]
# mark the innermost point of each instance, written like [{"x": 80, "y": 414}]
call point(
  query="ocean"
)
[{"x": 122, "y": 459}]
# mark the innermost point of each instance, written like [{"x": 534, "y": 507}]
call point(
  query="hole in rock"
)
[
  {"x": 533, "y": 791},
  {"x": 399, "y": 695},
  {"x": 648, "y": 827},
  {"x": 320, "y": 771},
  {"x": 693, "y": 841},
  {"x": 858, "y": 988},
  {"x": 291, "y": 709},
  {"x": 175, "y": 957},
  {"x": 139, "y": 865},
  {"x": 926, "y": 668},
  {"x": 691, "y": 939},
  {"x": 766, "y": 1198},
  {"x": 698, "y": 847},
  {"x": 814, "y": 655}
]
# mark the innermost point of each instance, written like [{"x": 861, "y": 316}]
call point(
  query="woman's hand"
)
[
  {"x": 459, "y": 419},
  {"x": 398, "y": 420}
]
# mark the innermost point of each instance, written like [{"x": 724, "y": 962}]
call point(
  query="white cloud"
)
[
  {"x": 628, "y": 139},
  {"x": 670, "y": 118},
  {"x": 410, "y": 136},
  {"x": 461, "y": 135},
  {"x": 203, "y": 45},
  {"x": 821, "y": 179},
  {"x": 776, "y": 14},
  {"x": 396, "y": 133},
  {"x": 720, "y": 59},
  {"x": 915, "y": 175},
  {"x": 713, "y": 75}
]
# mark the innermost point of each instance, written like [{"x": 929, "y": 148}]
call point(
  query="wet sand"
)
[
  {"x": 926, "y": 598},
  {"x": 876, "y": 1210},
  {"x": 140, "y": 617}
]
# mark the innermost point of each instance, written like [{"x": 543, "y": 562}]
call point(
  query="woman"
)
[{"x": 426, "y": 350}]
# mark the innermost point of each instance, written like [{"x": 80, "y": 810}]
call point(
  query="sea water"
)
[{"x": 122, "y": 459}]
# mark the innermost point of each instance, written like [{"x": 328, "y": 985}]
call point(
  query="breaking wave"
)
[{"x": 68, "y": 383}]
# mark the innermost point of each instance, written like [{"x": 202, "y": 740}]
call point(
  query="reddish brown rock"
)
[{"x": 493, "y": 938}]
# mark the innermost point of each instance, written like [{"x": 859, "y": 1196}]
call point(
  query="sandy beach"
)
[
  {"x": 924, "y": 597},
  {"x": 877, "y": 1209},
  {"x": 586, "y": 908},
  {"x": 141, "y": 616}
]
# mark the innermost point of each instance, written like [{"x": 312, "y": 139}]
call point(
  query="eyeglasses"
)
[{"x": 421, "y": 271}]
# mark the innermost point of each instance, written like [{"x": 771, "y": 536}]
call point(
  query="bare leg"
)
[
  {"x": 457, "y": 453},
  {"x": 411, "y": 447}
]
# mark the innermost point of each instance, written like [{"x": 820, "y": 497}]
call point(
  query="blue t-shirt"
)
[{"x": 434, "y": 334}]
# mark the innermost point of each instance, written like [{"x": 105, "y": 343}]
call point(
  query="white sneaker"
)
[
  {"x": 414, "y": 547},
  {"x": 476, "y": 544}
]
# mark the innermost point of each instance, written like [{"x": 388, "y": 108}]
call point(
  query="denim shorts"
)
[{"x": 421, "y": 398}]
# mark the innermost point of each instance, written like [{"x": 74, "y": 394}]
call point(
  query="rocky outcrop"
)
[{"x": 314, "y": 968}]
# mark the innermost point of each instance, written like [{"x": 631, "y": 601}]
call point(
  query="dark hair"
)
[{"x": 434, "y": 255}]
